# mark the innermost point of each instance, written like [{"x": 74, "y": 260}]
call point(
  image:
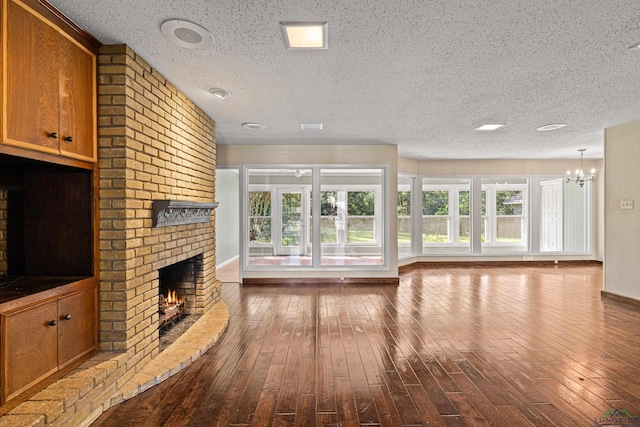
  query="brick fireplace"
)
[{"x": 155, "y": 144}]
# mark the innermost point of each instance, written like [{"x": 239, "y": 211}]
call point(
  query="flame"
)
[{"x": 172, "y": 297}]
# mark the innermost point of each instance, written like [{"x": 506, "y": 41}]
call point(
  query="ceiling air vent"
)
[{"x": 311, "y": 126}]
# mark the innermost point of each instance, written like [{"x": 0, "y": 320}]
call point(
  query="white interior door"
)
[{"x": 551, "y": 210}]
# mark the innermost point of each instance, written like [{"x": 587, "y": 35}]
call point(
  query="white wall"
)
[
  {"x": 516, "y": 167},
  {"x": 227, "y": 215},
  {"x": 622, "y": 227}
]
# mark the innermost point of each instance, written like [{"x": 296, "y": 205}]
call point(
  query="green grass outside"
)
[{"x": 359, "y": 236}]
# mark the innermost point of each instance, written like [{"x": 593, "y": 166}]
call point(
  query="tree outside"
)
[{"x": 260, "y": 216}]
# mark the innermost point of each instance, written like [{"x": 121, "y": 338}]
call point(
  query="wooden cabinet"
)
[
  {"x": 49, "y": 316},
  {"x": 49, "y": 93},
  {"x": 29, "y": 346},
  {"x": 40, "y": 339},
  {"x": 77, "y": 325}
]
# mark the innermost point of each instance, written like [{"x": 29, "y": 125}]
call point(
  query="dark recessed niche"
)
[{"x": 49, "y": 223}]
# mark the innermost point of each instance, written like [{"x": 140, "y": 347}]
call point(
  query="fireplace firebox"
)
[{"x": 177, "y": 290}]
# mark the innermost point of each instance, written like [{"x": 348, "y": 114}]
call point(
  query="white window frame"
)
[
  {"x": 530, "y": 220},
  {"x": 410, "y": 187},
  {"x": 255, "y": 188},
  {"x": 342, "y": 235},
  {"x": 491, "y": 224},
  {"x": 453, "y": 226}
]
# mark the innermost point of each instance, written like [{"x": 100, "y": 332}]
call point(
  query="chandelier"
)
[{"x": 579, "y": 177}]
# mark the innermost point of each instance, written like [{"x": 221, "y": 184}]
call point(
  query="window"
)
[
  {"x": 506, "y": 210},
  {"x": 435, "y": 216},
  {"x": 279, "y": 218},
  {"x": 464, "y": 209},
  {"x": 404, "y": 215},
  {"x": 277, "y": 212},
  {"x": 328, "y": 217},
  {"x": 291, "y": 203},
  {"x": 361, "y": 226},
  {"x": 260, "y": 217},
  {"x": 445, "y": 222},
  {"x": 348, "y": 217},
  {"x": 445, "y": 215},
  {"x": 509, "y": 217},
  {"x": 351, "y": 218}
]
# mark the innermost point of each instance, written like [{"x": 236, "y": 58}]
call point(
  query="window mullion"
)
[{"x": 475, "y": 213}]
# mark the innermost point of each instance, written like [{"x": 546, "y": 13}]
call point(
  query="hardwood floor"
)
[{"x": 449, "y": 346}]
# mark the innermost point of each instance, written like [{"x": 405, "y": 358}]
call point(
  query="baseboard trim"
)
[
  {"x": 471, "y": 264},
  {"x": 334, "y": 281},
  {"x": 227, "y": 262},
  {"x": 619, "y": 298}
]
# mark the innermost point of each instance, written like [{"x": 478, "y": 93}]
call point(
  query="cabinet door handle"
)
[
  {"x": 67, "y": 317},
  {"x": 53, "y": 323},
  {"x": 53, "y": 135},
  {"x": 69, "y": 139}
]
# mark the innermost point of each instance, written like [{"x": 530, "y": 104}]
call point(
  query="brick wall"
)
[
  {"x": 154, "y": 143},
  {"x": 3, "y": 231}
]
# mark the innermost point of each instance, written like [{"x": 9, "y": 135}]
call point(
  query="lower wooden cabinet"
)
[
  {"x": 29, "y": 347},
  {"x": 42, "y": 338}
]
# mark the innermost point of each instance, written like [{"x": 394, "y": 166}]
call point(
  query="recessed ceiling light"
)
[
  {"x": 311, "y": 126},
  {"x": 552, "y": 126},
  {"x": 490, "y": 126},
  {"x": 254, "y": 126},
  {"x": 187, "y": 34},
  {"x": 304, "y": 35},
  {"x": 634, "y": 46},
  {"x": 220, "y": 93}
]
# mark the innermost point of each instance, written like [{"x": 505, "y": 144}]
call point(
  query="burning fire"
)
[
  {"x": 172, "y": 297},
  {"x": 170, "y": 307}
]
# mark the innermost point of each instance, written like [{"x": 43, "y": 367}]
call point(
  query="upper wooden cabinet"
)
[{"x": 49, "y": 86}]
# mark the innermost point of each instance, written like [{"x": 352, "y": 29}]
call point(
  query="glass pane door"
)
[{"x": 291, "y": 224}]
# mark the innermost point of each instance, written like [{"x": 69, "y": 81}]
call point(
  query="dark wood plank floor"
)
[{"x": 451, "y": 346}]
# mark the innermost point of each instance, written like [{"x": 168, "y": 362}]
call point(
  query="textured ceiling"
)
[{"x": 419, "y": 74}]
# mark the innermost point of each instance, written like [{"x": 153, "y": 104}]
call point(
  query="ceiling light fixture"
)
[
  {"x": 220, "y": 93},
  {"x": 311, "y": 126},
  {"x": 187, "y": 34},
  {"x": 553, "y": 126},
  {"x": 254, "y": 126},
  {"x": 634, "y": 47},
  {"x": 490, "y": 126},
  {"x": 579, "y": 177},
  {"x": 304, "y": 35}
]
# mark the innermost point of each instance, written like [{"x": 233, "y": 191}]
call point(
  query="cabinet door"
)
[
  {"x": 78, "y": 327},
  {"x": 31, "y": 92},
  {"x": 77, "y": 101},
  {"x": 29, "y": 342}
]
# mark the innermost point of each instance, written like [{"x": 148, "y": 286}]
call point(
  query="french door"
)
[{"x": 291, "y": 210}]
